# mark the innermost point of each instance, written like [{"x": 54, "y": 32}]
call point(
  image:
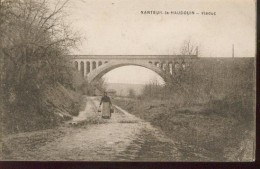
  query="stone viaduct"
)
[{"x": 93, "y": 67}]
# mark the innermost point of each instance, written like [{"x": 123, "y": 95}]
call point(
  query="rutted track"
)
[{"x": 88, "y": 137}]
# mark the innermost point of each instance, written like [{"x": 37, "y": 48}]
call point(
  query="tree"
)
[
  {"x": 101, "y": 84},
  {"x": 34, "y": 42},
  {"x": 182, "y": 72},
  {"x": 152, "y": 89},
  {"x": 131, "y": 93},
  {"x": 179, "y": 83},
  {"x": 188, "y": 48}
]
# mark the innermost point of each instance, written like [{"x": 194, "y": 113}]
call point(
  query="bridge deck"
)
[{"x": 139, "y": 57}]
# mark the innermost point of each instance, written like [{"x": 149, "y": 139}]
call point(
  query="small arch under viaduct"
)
[{"x": 93, "y": 67}]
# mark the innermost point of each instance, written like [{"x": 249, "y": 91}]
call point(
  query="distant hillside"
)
[{"x": 122, "y": 89}]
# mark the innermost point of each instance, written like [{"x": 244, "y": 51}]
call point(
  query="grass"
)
[{"x": 219, "y": 127}]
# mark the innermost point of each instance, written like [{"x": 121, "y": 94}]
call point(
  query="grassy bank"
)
[
  {"x": 58, "y": 104},
  {"x": 216, "y": 127}
]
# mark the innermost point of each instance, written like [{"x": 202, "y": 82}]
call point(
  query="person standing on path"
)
[{"x": 106, "y": 114}]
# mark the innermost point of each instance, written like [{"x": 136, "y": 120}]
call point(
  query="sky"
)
[{"x": 117, "y": 27}]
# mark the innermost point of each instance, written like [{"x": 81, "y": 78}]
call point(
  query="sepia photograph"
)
[{"x": 128, "y": 80}]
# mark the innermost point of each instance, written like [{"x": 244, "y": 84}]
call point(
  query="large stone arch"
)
[{"x": 105, "y": 68}]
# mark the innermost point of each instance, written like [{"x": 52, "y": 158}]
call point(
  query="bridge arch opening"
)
[
  {"x": 82, "y": 68},
  {"x": 157, "y": 64},
  {"x": 132, "y": 78},
  {"x": 76, "y": 65},
  {"x": 94, "y": 65},
  {"x": 163, "y": 66},
  {"x": 132, "y": 74},
  {"x": 88, "y": 66}
]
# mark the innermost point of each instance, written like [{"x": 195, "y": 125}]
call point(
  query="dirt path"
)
[{"x": 124, "y": 137}]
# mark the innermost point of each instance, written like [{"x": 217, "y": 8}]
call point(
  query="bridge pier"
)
[
  {"x": 78, "y": 66},
  {"x": 87, "y": 67}
]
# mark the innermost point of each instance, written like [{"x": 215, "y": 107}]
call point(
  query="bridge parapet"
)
[{"x": 133, "y": 57}]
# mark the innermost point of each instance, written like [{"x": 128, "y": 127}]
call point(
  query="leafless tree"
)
[
  {"x": 34, "y": 42},
  {"x": 180, "y": 79},
  {"x": 188, "y": 48}
]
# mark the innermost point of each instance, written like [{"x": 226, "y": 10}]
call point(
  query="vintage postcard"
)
[{"x": 128, "y": 80}]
